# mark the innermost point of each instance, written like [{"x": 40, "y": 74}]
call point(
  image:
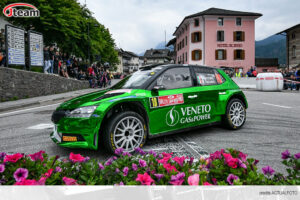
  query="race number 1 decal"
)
[
  {"x": 154, "y": 102},
  {"x": 168, "y": 100}
]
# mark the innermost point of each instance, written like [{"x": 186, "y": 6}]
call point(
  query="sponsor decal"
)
[
  {"x": 13, "y": 10},
  {"x": 188, "y": 114},
  {"x": 172, "y": 117},
  {"x": 119, "y": 91},
  {"x": 120, "y": 98},
  {"x": 168, "y": 100}
]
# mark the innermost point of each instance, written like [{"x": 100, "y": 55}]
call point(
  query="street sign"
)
[
  {"x": 15, "y": 45},
  {"x": 36, "y": 54}
]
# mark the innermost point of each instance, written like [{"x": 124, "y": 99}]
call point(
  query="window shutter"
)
[
  {"x": 234, "y": 36},
  {"x": 193, "y": 55},
  {"x": 216, "y": 54},
  {"x": 192, "y": 37},
  {"x": 200, "y": 54},
  {"x": 200, "y": 36},
  {"x": 235, "y": 54},
  {"x": 224, "y": 54},
  {"x": 222, "y": 35},
  {"x": 243, "y": 36},
  {"x": 243, "y": 54}
]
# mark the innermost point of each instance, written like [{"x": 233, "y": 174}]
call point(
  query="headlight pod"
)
[{"x": 83, "y": 112}]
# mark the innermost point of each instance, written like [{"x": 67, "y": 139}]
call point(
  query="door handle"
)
[{"x": 192, "y": 96}]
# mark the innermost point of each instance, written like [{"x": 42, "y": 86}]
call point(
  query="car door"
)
[
  {"x": 168, "y": 105},
  {"x": 208, "y": 91}
]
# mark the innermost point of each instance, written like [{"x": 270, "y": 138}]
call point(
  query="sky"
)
[{"x": 137, "y": 25}]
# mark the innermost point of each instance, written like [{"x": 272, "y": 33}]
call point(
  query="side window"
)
[
  {"x": 175, "y": 78},
  {"x": 206, "y": 76}
]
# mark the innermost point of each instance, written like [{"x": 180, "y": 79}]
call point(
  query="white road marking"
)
[
  {"x": 269, "y": 104},
  {"x": 34, "y": 108},
  {"x": 41, "y": 126}
]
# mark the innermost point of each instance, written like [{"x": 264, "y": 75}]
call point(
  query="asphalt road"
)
[{"x": 272, "y": 126}]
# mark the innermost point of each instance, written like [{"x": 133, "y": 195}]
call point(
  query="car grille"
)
[{"x": 57, "y": 115}]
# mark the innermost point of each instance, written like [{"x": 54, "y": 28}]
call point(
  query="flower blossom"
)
[
  {"x": 20, "y": 174},
  {"x": 144, "y": 179},
  {"x": 193, "y": 179},
  {"x": 142, "y": 163},
  {"x": 76, "y": 157},
  {"x": 26, "y": 182},
  {"x": 285, "y": 155},
  {"x": 169, "y": 167},
  {"x": 267, "y": 170},
  {"x": 13, "y": 158},
  {"x": 119, "y": 151},
  {"x": 37, "y": 156},
  {"x": 159, "y": 176},
  {"x": 134, "y": 167},
  {"x": 125, "y": 171},
  {"x": 297, "y": 155},
  {"x": 2, "y": 168},
  {"x": 101, "y": 167},
  {"x": 69, "y": 181},
  {"x": 231, "y": 178},
  {"x": 177, "y": 179},
  {"x": 179, "y": 160}
]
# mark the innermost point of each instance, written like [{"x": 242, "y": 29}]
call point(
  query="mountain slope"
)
[{"x": 272, "y": 47}]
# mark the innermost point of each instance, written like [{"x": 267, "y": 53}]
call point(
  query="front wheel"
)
[
  {"x": 235, "y": 114},
  {"x": 126, "y": 130}
]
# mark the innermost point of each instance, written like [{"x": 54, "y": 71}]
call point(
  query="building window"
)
[
  {"x": 185, "y": 40},
  {"x": 220, "y": 36},
  {"x": 294, "y": 52},
  {"x": 186, "y": 56},
  {"x": 220, "y": 54},
  {"x": 196, "y": 37},
  {"x": 178, "y": 48},
  {"x": 197, "y": 54},
  {"x": 196, "y": 22},
  {"x": 220, "y": 21},
  {"x": 239, "y": 54},
  {"x": 183, "y": 58},
  {"x": 182, "y": 43},
  {"x": 238, "y": 21},
  {"x": 293, "y": 35},
  {"x": 238, "y": 36}
]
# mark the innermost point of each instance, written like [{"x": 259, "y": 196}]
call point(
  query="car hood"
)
[{"x": 92, "y": 98}]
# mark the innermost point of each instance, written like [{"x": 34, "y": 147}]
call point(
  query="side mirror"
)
[{"x": 157, "y": 88}]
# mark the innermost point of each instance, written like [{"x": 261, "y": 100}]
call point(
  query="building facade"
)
[
  {"x": 157, "y": 56},
  {"x": 292, "y": 46},
  {"x": 128, "y": 61},
  {"x": 217, "y": 37}
]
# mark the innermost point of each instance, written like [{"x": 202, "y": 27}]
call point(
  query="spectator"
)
[
  {"x": 64, "y": 71},
  {"x": 47, "y": 63},
  {"x": 56, "y": 62},
  {"x": 51, "y": 55}
]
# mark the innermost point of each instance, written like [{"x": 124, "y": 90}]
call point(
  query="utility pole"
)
[{"x": 165, "y": 39}]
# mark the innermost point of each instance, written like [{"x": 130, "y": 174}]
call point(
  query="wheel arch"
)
[
  {"x": 135, "y": 106},
  {"x": 239, "y": 96}
]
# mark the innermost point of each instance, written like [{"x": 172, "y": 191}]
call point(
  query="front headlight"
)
[{"x": 83, "y": 112}]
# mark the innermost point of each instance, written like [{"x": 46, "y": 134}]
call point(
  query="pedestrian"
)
[
  {"x": 47, "y": 63},
  {"x": 51, "y": 54}
]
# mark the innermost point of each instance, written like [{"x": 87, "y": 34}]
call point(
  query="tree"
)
[{"x": 66, "y": 22}]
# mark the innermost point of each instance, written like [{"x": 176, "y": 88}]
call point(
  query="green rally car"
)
[{"x": 154, "y": 101}]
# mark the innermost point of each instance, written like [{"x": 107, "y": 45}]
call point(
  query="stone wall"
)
[{"x": 19, "y": 84}]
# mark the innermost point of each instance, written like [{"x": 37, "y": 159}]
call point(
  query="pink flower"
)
[
  {"x": 267, "y": 170},
  {"x": 144, "y": 179},
  {"x": 101, "y": 167},
  {"x": 297, "y": 156},
  {"x": 134, "y": 167},
  {"x": 179, "y": 160},
  {"x": 142, "y": 163},
  {"x": 13, "y": 158},
  {"x": 206, "y": 183},
  {"x": 42, "y": 181},
  {"x": 48, "y": 173},
  {"x": 69, "y": 181},
  {"x": 125, "y": 171},
  {"x": 193, "y": 179},
  {"x": 76, "y": 157},
  {"x": 20, "y": 174},
  {"x": 37, "y": 156},
  {"x": 231, "y": 178},
  {"x": 26, "y": 182},
  {"x": 216, "y": 155},
  {"x": 177, "y": 179},
  {"x": 57, "y": 169},
  {"x": 169, "y": 167},
  {"x": 243, "y": 156},
  {"x": 230, "y": 161},
  {"x": 2, "y": 168}
]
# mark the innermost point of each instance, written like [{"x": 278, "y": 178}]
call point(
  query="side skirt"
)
[{"x": 183, "y": 130}]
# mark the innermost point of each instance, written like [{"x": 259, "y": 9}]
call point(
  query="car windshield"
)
[{"x": 137, "y": 79}]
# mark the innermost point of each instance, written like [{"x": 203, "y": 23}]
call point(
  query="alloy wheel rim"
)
[
  {"x": 129, "y": 133},
  {"x": 237, "y": 113}
]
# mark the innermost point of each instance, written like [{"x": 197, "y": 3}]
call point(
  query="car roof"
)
[{"x": 149, "y": 67}]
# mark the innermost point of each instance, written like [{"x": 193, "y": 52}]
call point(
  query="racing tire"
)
[
  {"x": 235, "y": 116},
  {"x": 126, "y": 130}
]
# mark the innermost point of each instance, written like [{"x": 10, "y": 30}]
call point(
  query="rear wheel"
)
[
  {"x": 235, "y": 114},
  {"x": 126, "y": 130}
]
